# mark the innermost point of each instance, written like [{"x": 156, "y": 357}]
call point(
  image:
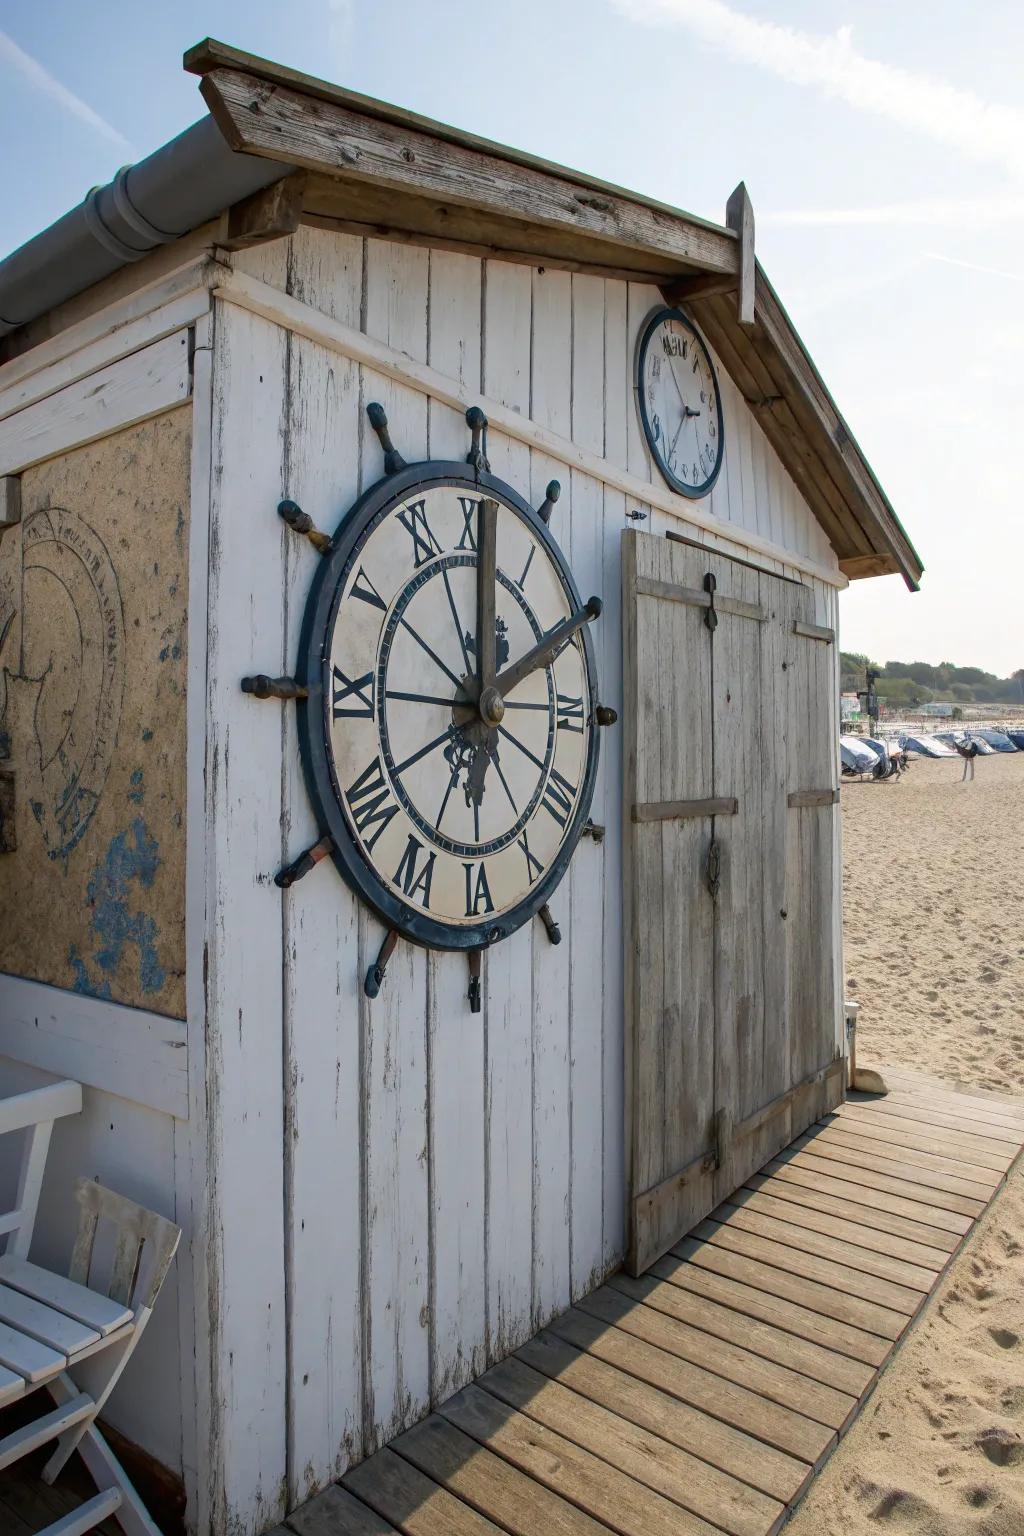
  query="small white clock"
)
[{"x": 679, "y": 403}]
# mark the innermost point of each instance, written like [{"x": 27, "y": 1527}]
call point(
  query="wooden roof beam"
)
[{"x": 260, "y": 116}]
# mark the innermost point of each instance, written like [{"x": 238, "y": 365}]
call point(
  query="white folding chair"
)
[{"x": 75, "y": 1336}]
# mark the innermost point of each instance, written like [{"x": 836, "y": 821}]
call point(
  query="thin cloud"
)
[
  {"x": 935, "y": 212},
  {"x": 973, "y": 266},
  {"x": 31, "y": 70},
  {"x": 946, "y": 114}
]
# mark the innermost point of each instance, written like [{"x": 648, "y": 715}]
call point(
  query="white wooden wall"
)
[{"x": 444, "y": 1182}]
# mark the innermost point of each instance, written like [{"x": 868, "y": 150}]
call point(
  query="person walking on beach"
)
[{"x": 968, "y": 750}]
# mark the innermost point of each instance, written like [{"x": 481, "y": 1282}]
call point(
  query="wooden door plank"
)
[
  {"x": 878, "y": 1212},
  {"x": 736, "y": 1455},
  {"x": 828, "y": 1272},
  {"x": 833, "y": 1149},
  {"x": 826, "y": 1245},
  {"x": 745, "y": 1409},
  {"x": 872, "y": 1189},
  {"x": 761, "y": 1374},
  {"x": 909, "y": 1150},
  {"x": 336, "y": 1512},
  {"x": 415, "y": 1504},
  {"x": 927, "y": 1115},
  {"x": 489, "y": 1483},
  {"x": 718, "y": 1282},
  {"x": 600, "y": 1490},
  {"x": 886, "y": 1322},
  {"x": 648, "y": 1457},
  {"x": 980, "y": 1150},
  {"x": 875, "y": 1235},
  {"x": 759, "y": 1338}
]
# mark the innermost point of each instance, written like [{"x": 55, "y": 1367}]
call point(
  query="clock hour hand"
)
[{"x": 545, "y": 650}]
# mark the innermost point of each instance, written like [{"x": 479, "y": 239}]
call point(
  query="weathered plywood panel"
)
[{"x": 92, "y": 718}]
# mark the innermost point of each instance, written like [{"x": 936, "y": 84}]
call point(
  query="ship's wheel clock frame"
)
[{"x": 448, "y": 710}]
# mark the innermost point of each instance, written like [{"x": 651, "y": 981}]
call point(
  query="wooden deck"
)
[{"x": 702, "y": 1397}]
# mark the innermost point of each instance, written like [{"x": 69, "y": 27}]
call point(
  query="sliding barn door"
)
[{"x": 730, "y": 800}]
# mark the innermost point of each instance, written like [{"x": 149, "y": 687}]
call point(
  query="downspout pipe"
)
[{"x": 175, "y": 189}]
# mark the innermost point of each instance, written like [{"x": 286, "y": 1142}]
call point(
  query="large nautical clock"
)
[
  {"x": 679, "y": 403},
  {"x": 448, "y": 709}
]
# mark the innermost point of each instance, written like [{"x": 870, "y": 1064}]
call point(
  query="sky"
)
[{"x": 882, "y": 146}]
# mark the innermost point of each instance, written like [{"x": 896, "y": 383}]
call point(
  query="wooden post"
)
[
  {"x": 739, "y": 216},
  {"x": 10, "y": 501}
]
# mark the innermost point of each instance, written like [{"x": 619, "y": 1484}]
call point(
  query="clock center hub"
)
[{"x": 492, "y": 707}]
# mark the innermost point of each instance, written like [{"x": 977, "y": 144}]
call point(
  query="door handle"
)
[{"x": 713, "y": 868}]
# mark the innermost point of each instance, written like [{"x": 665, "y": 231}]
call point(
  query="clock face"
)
[
  {"x": 452, "y": 811},
  {"x": 680, "y": 406}
]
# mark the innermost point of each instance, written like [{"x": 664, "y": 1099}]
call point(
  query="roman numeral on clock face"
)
[
  {"x": 351, "y": 699},
  {"x": 558, "y": 795},
  {"x": 370, "y": 803},
  {"x": 470, "y": 509},
  {"x": 413, "y": 877},
  {"x": 364, "y": 588},
  {"x": 570, "y": 714},
  {"x": 478, "y": 892},
  {"x": 534, "y": 867},
  {"x": 413, "y": 519}
]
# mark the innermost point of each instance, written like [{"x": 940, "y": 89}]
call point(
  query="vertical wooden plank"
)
[
  {"x": 618, "y": 401},
  {"x": 587, "y": 871},
  {"x": 640, "y": 301},
  {"x": 396, "y": 1214},
  {"x": 321, "y": 925},
  {"x": 778, "y": 730},
  {"x": 192, "y": 1190},
  {"x": 550, "y": 393},
  {"x": 456, "y": 1036},
  {"x": 507, "y": 303},
  {"x": 246, "y": 1458}
]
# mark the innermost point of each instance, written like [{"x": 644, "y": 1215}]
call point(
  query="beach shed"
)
[{"x": 315, "y": 377}]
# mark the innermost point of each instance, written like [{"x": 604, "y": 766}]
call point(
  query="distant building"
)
[
  {"x": 935, "y": 708},
  {"x": 849, "y": 706}
]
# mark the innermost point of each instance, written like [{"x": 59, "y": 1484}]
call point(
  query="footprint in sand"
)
[
  {"x": 1002, "y": 1447},
  {"x": 1004, "y": 1337}
]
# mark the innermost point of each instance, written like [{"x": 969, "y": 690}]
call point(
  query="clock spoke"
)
[
  {"x": 423, "y": 698},
  {"x": 431, "y": 746},
  {"x": 502, "y": 731},
  {"x": 459, "y": 630},
  {"x": 504, "y": 784},
  {"x": 432, "y": 654}
]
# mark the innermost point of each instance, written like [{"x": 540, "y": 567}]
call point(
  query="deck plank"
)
[
  {"x": 1002, "y": 1140},
  {"x": 855, "y": 1138},
  {"x": 887, "y": 1130},
  {"x": 336, "y": 1512},
  {"x": 860, "y": 1169},
  {"x": 808, "y": 1194}
]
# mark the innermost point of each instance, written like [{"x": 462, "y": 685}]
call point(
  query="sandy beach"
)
[{"x": 934, "y": 937}]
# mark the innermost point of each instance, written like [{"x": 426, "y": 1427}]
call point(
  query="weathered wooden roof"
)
[{"x": 376, "y": 168}]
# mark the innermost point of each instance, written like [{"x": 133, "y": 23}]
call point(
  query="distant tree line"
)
[{"x": 912, "y": 683}]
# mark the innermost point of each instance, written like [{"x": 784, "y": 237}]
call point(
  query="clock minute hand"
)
[
  {"x": 486, "y": 577},
  {"x": 545, "y": 650}
]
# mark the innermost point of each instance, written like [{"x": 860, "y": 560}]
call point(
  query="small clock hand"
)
[
  {"x": 687, "y": 410},
  {"x": 546, "y": 649},
  {"x": 486, "y": 576}
]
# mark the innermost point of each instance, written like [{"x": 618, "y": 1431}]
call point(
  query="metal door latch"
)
[
  {"x": 710, "y": 616},
  {"x": 713, "y": 869}
]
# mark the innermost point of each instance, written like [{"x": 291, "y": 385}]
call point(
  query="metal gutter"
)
[{"x": 175, "y": 189}]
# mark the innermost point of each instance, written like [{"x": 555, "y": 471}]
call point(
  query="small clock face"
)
[
  {"x": 454, "y": 824},
  {"x": 680, "y": 406}
]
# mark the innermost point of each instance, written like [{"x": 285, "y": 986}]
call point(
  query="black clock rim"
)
[
  {"x": 668, "y": 312},
  {"x": 348, "y": 857}
]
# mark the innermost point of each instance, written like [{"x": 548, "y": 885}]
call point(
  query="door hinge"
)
[{"x": 719, "y": 1138}]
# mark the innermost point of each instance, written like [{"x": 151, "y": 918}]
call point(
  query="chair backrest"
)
[{"x": 144, "y": 1246}]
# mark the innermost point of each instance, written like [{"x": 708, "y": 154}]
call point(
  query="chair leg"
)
[{"x": 107, "y": 1472}]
